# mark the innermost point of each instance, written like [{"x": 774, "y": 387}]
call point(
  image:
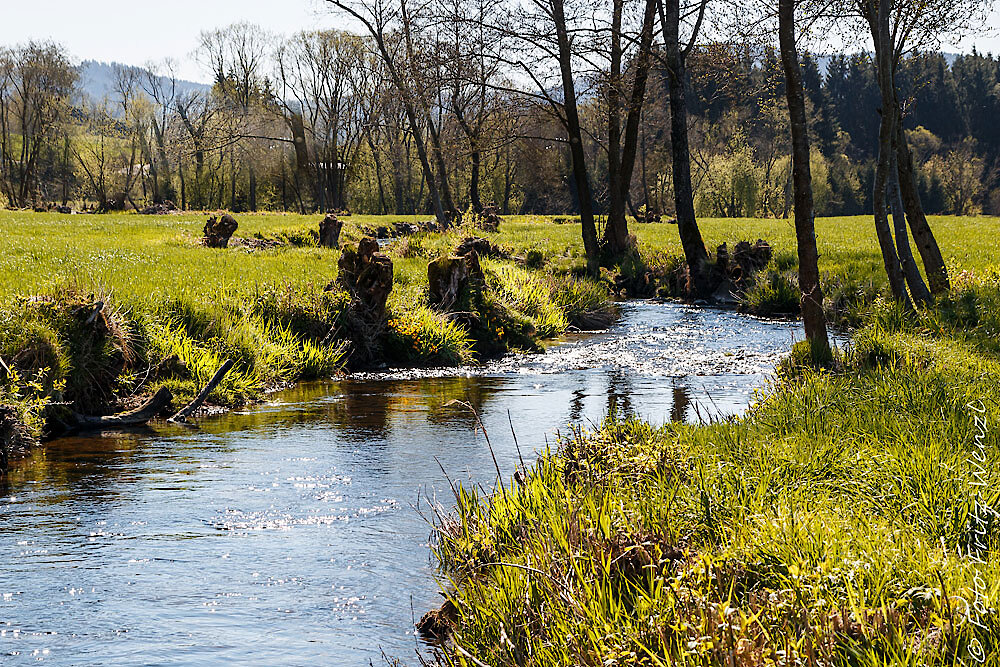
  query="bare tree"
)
[
  {"x": 622, "y": 148},
  {"x": 326, "y": 90},
  {"x": 236, "y": 56},
  {"x": 672, "y": 16},
  {"x": 805, "y": 233},
  {"x": 387, "y": 24},
  {"x": 161, "y": 87},
  {"x": 909, "y": 25}
]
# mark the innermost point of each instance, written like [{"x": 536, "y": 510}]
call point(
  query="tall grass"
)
[{"x": 850, "y": 518}]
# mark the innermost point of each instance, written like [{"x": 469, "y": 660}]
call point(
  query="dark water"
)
[{"x": 290, "y": 534}]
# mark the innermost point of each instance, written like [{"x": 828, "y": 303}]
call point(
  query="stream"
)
[{"x": 292, "y": 533}]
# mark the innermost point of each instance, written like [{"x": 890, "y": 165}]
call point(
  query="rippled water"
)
[{"x": 289, "y": 533}]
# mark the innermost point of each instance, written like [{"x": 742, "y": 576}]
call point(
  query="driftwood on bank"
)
[
  {"x": 138, "y": 417},
  {"x": 188, "y": 409}
]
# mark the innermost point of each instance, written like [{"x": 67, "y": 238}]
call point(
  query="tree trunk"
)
[
  {"x": 477, "y": 204},
  {"x": 446, "y": 199},
  {"x": 180, "y": 173},
  {"x": 918, "y": 289},
  {"x": 805, "y": 233},
  {"x": 620, "y": 180},
  {"x": 880, "y": 32},
  {"x": 575, "y": 137},
  {"x": 687, "y": 225},
  {"x": 615, "y": 232},
  {"x": 930, "y": 253},
  {"x": 253, "y": 188}
]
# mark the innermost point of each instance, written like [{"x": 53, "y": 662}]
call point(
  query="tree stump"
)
[
  {"x": 453, "y": 280},
  {"x": 218, "y": 231},
  {"x": 366, "y": 275},
  {"x": 489, "y": 219},
  {"x": 329, "y": 231},
  {"x": 752, "y": 258},
  {"x": 480, "y": 246}
]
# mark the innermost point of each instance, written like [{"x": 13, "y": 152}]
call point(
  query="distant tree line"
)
[{"x": 314, "y": 122}]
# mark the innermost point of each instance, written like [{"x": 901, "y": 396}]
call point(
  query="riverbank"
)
[
  {"x": 851, "y": 517},
  {"x": 100, "y": 311}
]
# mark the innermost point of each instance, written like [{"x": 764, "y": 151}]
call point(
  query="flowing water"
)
[{"x": 290, "y": 533}]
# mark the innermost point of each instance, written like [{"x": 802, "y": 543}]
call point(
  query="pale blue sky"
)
[{"x": 134, "y": 31}]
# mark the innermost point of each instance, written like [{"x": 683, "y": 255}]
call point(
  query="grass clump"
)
[
  {"x": 773, "y": 293},
  {"x": 586, "y": 304},
  {"x": 422, "y": 337},
  {"x": 524, "y": 293}
]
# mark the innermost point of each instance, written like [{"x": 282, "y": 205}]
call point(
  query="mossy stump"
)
[
  {"x": 366, "y": 276},
  {"x": 454, "y": 281}
]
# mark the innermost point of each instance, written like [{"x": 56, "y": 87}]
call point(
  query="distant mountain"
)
[{"x": 97, "y": 80}]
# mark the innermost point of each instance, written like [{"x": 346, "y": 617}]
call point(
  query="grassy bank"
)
[
  {"x": 850, "y": 518},
  {"x": 173, "y": 310}
]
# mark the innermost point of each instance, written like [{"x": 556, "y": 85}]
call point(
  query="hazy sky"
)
[{"x": 134, "y": 32}]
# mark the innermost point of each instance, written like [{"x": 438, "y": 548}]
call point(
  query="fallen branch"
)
[
  {"x": 186, "y": 411},
  {"x": 141, "y": 415}
]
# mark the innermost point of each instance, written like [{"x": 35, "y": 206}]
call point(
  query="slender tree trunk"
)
[
  {"x": 400, "y": 158},
  {"x": 575, "y": 137},
  {"x": 615, "y": 233},
  {"x": 918, "y": 289},
  {"x": 880, "y": 31},
  {"x": 446, "y": 199},
  {"x": 687, "y": 224},
  {"x": 253, "y": 188},
  {"x": 476, "y": 159},
  {"x": 378, "y": 171},
  {"x": 180, "y": 174},
  {"x": 805, "y": 233},
  {"x": 930, "y": 253},
  {"x": 631, "y": 140}
]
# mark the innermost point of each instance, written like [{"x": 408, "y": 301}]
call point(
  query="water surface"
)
[{"x": 290, "y": 533}]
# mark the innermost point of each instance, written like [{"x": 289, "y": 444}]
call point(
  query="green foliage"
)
[
  {"x": 585, "y": 303},
  {"x": 524, "y": 293},
  {"x": 535, "y": 259}
]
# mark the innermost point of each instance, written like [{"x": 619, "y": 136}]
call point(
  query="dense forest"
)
[{"x": 314, "y": 122}]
